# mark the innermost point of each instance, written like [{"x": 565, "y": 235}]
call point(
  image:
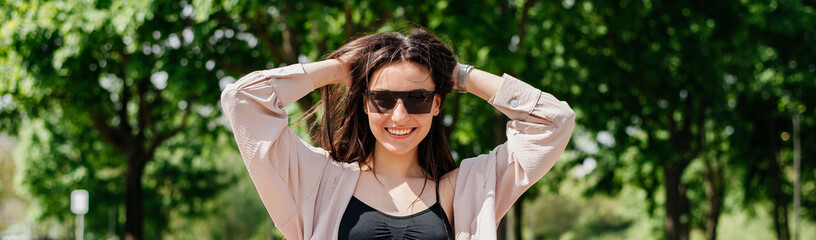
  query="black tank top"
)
[{"x": 363, "y": 222}]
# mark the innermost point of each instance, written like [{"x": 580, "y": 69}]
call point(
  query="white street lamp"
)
[{"x": 79, "y": 206}]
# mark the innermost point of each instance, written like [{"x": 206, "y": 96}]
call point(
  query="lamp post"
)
[{"x": 79, "y": 206}]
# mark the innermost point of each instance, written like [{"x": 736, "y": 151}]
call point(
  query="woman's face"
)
[{"x": 399, "y": 131}]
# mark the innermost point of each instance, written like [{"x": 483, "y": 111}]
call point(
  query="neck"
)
[{"x": 396, "y": 165}]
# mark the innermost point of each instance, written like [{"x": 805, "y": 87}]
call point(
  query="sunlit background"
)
[{"x": 695, "y": 119}]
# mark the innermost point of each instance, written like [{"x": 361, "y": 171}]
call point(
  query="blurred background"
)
[{"x": 695, "y": 119}]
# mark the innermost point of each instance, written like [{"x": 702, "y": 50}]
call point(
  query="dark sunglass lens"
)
[
  {"x": 383, "y": 101},
  {"x": 419, "y": 102},
  {"x": 416, "y": 106}
]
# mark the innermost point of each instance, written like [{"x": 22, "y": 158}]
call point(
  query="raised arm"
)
[
  {"x": 539, "y": 129},
  {"x": 286, "y": 170}
]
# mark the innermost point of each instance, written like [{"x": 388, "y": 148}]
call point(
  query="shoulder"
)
[
  {"x": 447, "y": 184},
  {"x": 447, "y": 190}
]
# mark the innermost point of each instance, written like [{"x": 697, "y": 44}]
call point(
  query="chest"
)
[{"x": 402, "y": 198}]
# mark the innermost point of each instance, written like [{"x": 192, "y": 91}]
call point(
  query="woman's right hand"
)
[
  {"x": 345, "y": 71},
  {"x": 345, "y": 61}
]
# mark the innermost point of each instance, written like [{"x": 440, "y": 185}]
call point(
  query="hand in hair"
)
[
  {"x": 345, "y": 62},
  {"x": 454, "y": 76}
]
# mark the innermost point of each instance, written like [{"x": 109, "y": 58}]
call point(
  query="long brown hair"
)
[{"x": 346, "y": 133}]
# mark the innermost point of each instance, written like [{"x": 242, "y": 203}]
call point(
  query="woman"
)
[{"x": 385, "y": 169}]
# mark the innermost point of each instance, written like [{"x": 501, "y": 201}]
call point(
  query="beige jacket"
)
[{"x": 306, "y": 192}]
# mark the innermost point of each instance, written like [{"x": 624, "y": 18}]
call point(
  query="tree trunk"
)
[
  {"x": 714, "y": 187},
  {"x": 134, "y": 207},
  {"x": 518, "y": 210},
  {"x": 677, "y": 209},
  {"x": 780, "y": 203},
  {"x": 778, "y": 197},
  {"x": 797, "y": 184}
]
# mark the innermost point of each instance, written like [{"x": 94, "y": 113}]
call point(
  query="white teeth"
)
[{"x": 398, "y": 132}]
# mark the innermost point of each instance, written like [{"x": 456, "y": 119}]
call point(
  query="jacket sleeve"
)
[
  {"x": 539, "y": 129},
  {"x": 286, "y": 170}
]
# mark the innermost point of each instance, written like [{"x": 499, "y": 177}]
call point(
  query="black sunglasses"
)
[{"x": 415, "y": 102}]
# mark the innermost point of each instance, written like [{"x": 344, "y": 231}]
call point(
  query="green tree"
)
[
  {"x": 652, "y": 75},
  {"x": 781, "y": 87},
  {"x": 107, "y": 93}
]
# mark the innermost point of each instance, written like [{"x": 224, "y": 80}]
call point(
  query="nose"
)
[{"x": 400, "y": 114}]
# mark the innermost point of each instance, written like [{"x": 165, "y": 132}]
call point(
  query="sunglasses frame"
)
[{"x": 410, "y": 104}]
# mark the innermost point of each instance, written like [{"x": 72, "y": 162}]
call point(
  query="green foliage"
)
[
  {"x": 52, "y": 167},
  {"x": 665, "y": 80},
  {"x": 93, "y": 84}
]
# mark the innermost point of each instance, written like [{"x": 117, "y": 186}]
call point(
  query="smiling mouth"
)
[{"x": 400, "y": 132}]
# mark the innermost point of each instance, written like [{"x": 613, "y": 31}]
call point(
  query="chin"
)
[{"x": 399, "y": 149}]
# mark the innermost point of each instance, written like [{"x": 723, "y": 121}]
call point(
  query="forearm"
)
[
  {"x": 326, "y": 72},
  {"x": 480, "y": 83}
]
